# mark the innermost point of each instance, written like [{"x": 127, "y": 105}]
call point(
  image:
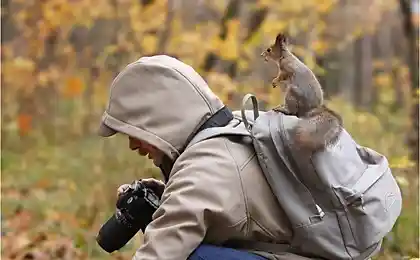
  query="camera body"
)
[{"x": 134, "y": 210}]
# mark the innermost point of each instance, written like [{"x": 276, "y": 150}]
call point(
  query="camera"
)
[{"x": 134, "y": 210}]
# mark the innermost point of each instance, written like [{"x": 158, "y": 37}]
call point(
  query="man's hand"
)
[
  {"x": 156, "y": 185},
  {"x": 122, "y": 189}
]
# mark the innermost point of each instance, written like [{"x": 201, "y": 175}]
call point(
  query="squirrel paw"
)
[
  {"x": 282, "y": 109},
  {"x": 275, "y": 83},
  {"x": 285, "y": 76}
]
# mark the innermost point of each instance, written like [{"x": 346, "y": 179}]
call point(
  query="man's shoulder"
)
[
  {"x": 206, "y": 169},
  {"x": 236, "y": 149},
  {"x": 214, "y": 156}
]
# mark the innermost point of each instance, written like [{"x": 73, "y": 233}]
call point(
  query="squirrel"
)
[{"x": 320, "y": 126}]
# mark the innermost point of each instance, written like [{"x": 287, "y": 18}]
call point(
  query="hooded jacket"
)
[{"x": 216, "y": 191}]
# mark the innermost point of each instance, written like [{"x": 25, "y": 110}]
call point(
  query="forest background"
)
[{"x": 59, "y": 179}]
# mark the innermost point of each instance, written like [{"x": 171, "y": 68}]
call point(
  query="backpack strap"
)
[
  {"x": 255, "y": 109},
  {"x": 238, "y": 130},
  {"x": 220, "y": 118}
]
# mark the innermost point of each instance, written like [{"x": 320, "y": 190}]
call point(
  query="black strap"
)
[{"x": 218, "y": 119}]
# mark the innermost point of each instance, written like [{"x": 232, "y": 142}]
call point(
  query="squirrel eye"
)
[{"x": 269, "y": 50}]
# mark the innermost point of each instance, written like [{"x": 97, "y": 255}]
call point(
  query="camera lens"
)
[
  {"x": 134, "y": 212},
  {"x": 121, "y": 234}
]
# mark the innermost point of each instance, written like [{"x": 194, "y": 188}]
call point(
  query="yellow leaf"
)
[
  {"x": 110, "y": 49},
  {"x": 383, "y": 80},
  {"x": 379, "y": 64},
  {"x": 273, "y": 28},
  {"x": 72, "y": 185},
  {"x": 243, "y": 64},
  {"x": 233, "y": 27},
  {"x": 230, "y": 50},
  {"x": 149, "y": 43},
  {"x": 319, "y": 46},
  {"x": 401, "y": 162},
  {"x": 23, "y": 67},
  {"x": 216, "y": 44},
  {"x": 24, "y": 64},
  {"x": 52, "y": 215},
  {"x": 324, "y": 6},
  {"x": 402, "y": 181},
  {"x": 43, "y": 78}
]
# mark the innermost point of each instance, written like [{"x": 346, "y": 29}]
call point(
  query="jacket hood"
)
[{"x": 160, "y": 100}]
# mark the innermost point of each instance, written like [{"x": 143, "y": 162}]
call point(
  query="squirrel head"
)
[{"x": 276, "y": 50}]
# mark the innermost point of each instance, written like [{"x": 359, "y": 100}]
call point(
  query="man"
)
[{"x": 215, "y": 195}]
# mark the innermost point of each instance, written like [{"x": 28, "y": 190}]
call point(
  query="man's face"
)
[{"x": 144, "y": 148}]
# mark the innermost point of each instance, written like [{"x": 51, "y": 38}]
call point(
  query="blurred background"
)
[{"x": 59, "y": 57}]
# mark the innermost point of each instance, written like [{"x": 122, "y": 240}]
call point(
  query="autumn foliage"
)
[{"x": 59, "y": 57}]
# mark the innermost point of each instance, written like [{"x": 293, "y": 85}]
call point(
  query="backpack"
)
[{"x": 341, "y": 201}]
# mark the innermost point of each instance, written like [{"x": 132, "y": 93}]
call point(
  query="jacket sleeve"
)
[{"x": 190, "y": 204}]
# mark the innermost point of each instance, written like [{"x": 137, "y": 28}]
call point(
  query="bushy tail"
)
[{"x": 319, "y": 128}]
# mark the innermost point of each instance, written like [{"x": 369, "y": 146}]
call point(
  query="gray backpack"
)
[{"x": 341, "y": 201}]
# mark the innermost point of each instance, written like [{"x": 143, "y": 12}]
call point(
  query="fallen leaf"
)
[
  {"x": 43, "y": 184},
  {"x": 19, "y": 222},
  {"x": 24, "y": 123},
  {"x": 73, "y": 87}
]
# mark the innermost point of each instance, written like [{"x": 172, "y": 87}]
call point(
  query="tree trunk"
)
[
  {"x": 347, "y": 72},
  {"x": 412, "y": 36},
  {"x": 166, "y": 32},
  {"x": 363, "y": 94},
  {"x": 388, "y": 52},
  {"x": 8, "y": 27}
]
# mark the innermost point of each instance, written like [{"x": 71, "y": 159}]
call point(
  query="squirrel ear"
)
[{"x": 281, "y": 39}]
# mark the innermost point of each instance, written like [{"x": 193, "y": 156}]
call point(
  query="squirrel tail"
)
[{"x": 319, "y": 128}]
